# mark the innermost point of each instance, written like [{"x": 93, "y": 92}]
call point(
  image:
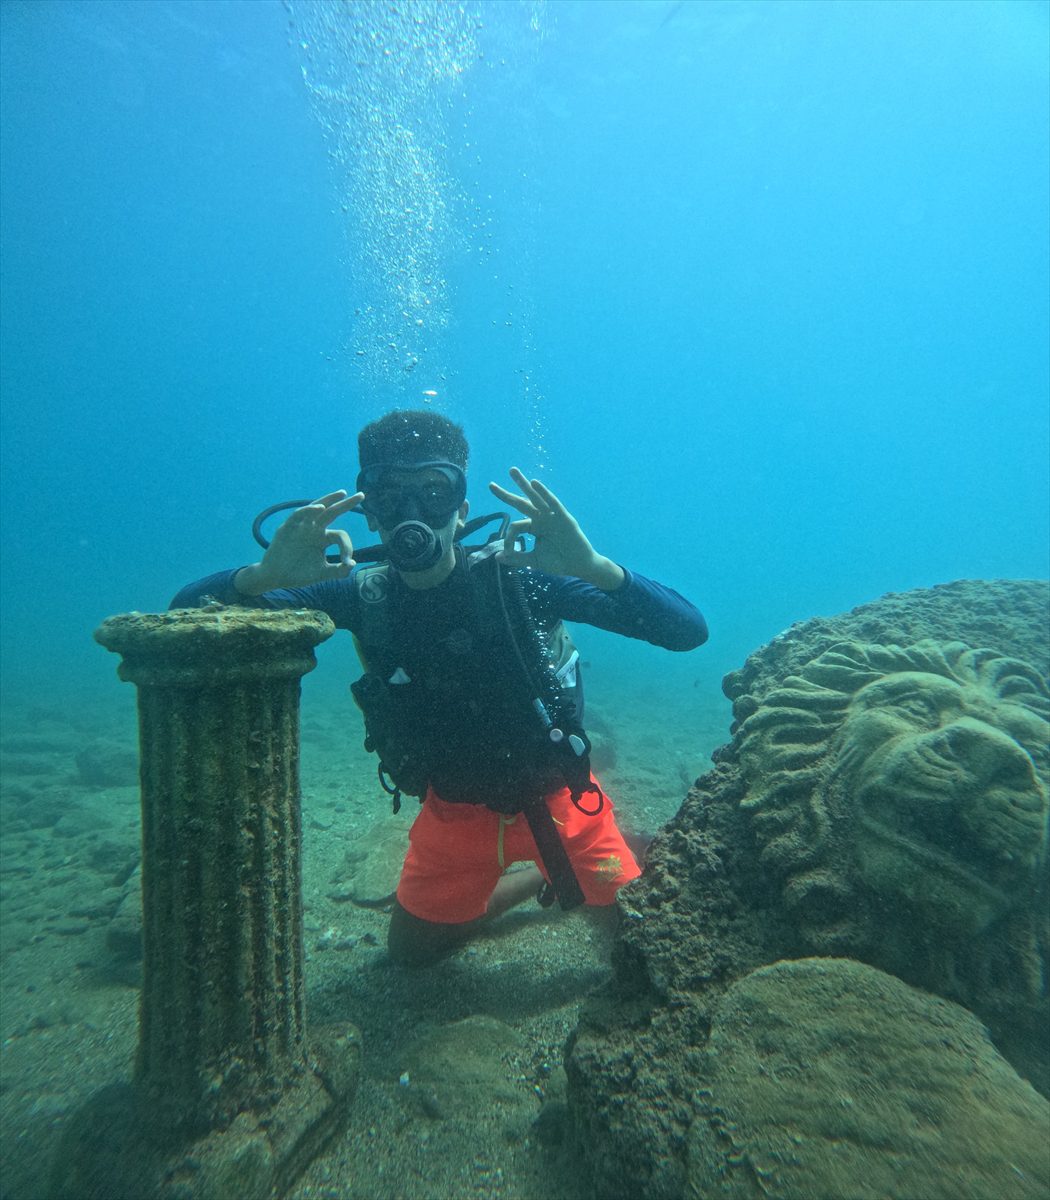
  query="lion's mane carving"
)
[{"x": 890, "y": 783}]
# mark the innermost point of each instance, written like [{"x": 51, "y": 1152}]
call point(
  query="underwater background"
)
[{"x": 760, "y": 289}]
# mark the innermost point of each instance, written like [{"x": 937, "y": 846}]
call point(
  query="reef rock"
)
[
  {"x": 884, "y": 799},
  {"x": 372, "y": 864},
  {"x": 106, "y": 764},
  {"x": 825, "y": 1077}
]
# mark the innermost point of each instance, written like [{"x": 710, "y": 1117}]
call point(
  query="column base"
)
[{"x": 116, "y": 1149}]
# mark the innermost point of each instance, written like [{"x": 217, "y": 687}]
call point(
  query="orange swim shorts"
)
[{"x": 457, "y": 852}]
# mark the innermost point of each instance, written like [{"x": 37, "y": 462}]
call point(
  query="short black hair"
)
[{"x": 407, "y": 436}]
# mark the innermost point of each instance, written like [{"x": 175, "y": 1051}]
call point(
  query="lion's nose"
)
[
  {"x": 1003, "y": 802},
  {"x": 990, "y": 755}
]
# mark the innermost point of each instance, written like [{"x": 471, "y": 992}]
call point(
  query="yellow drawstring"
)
[{"x": 504, "y": 821}]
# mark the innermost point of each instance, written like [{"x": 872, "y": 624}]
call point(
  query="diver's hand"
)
[
  {"x": 561, "y": 546},
  {"x": 296, "y": 556}
]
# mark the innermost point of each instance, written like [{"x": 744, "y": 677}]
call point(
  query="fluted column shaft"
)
[{"x": 222, "y": 1024}]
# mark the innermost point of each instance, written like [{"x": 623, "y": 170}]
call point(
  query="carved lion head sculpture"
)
[{"x": 894, "y": 790}]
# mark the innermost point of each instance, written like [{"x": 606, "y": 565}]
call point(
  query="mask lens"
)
[
  {"x": 431, "y": 491},
  {"x": 384, "y": 503},
  {"x": 437, "y": 498}
]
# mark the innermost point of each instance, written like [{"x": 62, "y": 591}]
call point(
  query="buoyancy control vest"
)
[{"x": 466, "y": 692}]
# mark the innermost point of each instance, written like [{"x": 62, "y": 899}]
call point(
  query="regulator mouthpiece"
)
[{"x": 414, "y": 546}]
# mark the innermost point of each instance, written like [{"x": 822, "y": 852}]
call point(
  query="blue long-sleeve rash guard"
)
[{"x": 639, "y": 608}]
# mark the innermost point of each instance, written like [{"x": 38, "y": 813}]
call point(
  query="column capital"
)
[{"x": 213, "y": 646}]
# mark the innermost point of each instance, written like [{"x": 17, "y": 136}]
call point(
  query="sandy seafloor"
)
[{"x": 68, "y": 1008}]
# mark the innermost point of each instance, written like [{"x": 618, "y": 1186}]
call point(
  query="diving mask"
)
[
  {"x": 427, "y": 491},
  {"x": 415, "y": 505}
]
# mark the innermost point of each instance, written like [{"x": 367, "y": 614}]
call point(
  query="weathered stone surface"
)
[
  {"x": 372, "y": 865},
  {"x": 214, "y": 646},
  {"x": 884, "y": 799},
  {"x": 226, "y": 1096},
  {"x": 914, "y": 778},
  {"x": 460, "y": 1070},
  {"x": 114, "y": 1149},
  {"x": 1010, "y": 615},
  {"x": 828, "y": 1078}
]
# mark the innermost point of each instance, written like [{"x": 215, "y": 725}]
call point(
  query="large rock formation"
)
[
  {"x": 884, "y": 799},
  {"x": 826, "y": 1077}
]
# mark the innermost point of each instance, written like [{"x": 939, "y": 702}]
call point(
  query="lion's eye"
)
[
  {"x": 916, "y": 707},
  {"x": 1033, "y": 744}
]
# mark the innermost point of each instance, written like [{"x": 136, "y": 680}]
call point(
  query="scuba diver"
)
[{"x": 472, "y": 694}]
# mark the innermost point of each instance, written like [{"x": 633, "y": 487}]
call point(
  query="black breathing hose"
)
[{"x": 367, "y": 554}]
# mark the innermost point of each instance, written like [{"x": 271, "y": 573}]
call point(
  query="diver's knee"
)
[{"x": 413, "y": 942}]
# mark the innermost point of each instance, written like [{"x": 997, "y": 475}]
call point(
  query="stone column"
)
[{"x": 226, "y": 1092}]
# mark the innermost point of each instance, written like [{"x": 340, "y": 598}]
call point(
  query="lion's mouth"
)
[
  {"x": 976, "y": 818},
  {"x": 925, "y": 854}
]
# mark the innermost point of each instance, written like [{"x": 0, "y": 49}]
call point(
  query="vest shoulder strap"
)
[{"x": 373, "y": 606}]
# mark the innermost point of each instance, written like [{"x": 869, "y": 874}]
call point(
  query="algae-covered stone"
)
[
  {"x": 226, "y": 1096},
  {"x": 461, "y": 1070},
  {"x": 917, "y": 775},
  {"x": 214, "y": 646},
  {"x": 828, "y": 1078},
  {"x": 884, "y": 798},
  {"x": 372, "y": 866},
  {"x": 1010, "y": 614}
]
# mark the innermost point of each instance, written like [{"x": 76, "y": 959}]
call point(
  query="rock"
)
[
  {"x": 40, "y": 745},
  {"x": 31, "y": 765},
  {"x": 828, "y": 1078},
  {"x": 603, "y": 752},
  {"x": 332, "y": 939},
  {"x": 80, "y": 821},
  {"x": 108, "y": 764},
  {"x": 99, "y": 905},
  {"x": 914, "y": 776},
  {"x": 553, "y": 1120},
  {"x": 124, "y": 931},
  {"x": 1010, "y": 615},
  {"x": 459, "y": 1070},
  {"x": 69, "y": 926},
  {"x": 45, "y": 811},
  {"x": 373, "y": 864},
  {"x": 116, "y": 859}
]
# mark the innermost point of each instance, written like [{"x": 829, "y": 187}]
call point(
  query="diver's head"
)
[{"x": 413, "y": 475}]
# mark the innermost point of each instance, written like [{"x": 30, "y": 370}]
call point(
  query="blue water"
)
[{"x": 761, "y": 289}]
